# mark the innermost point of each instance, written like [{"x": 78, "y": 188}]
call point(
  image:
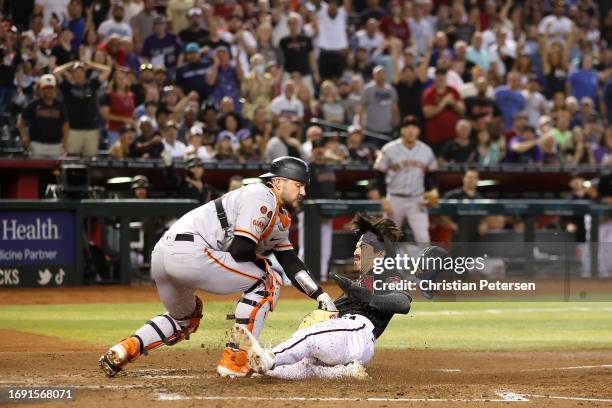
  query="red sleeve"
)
[
  {"x": 428, "y": 97},
  {"x": 384, "y": 25},
  {"x": 455, "y": 94}
]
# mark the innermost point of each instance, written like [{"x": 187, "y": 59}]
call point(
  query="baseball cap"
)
[
  {"x": 226, "y": 134},
  {"x": 354, "y": 129},
  {"x": 196, "y": 130},
  {"x": 171, "y": 124},
  {"x": 194, "y": 11},
  {"x": 411, "y": 120},
  {"x": 243, "y": 134},
  {"x": 47, "y": 81},
  {"x": 192, "y": 47},
  {"x": 159, "y": 68}
]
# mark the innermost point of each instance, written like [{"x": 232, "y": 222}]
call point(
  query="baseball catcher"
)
[
  {"x": 218, "y": 248},
  {"x": 364, "y": 310}
]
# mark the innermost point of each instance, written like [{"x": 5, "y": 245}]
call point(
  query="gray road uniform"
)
[{"x": 405, "y": 171}]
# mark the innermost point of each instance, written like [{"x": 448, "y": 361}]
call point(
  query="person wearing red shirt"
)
[
  {"x": 442, "y": 107},
  {"x": 117, "y": 106},
  {"x": 394, "y": 25}
]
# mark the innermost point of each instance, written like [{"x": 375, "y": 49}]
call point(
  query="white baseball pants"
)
[{"x": 332, "y": 342}]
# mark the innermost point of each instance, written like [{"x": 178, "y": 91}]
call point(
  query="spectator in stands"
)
[
  {"x": 335, "y": 152},
  {"x": 283, "y": 143},
  {"x": 478, "y": 54},
  {"x": 509, "y": 99},
  {"x": 577, "y": 151},
  {"x": 332, "y": 40},
  {"x": 248, "y": 150},
  {"x": 257, "y": 87},
  {"x": 313, "y": 133},
  {"x": 149, "y": 144},
  {"x": 421, "y": 25},
  {"x": 192, "y": 186},
  {"x": 115, "y": 24},
  {"x": 225, "y": 77},
  {"x": 162, "y": 47},
  {"x": 125, "y": 146},
  {"x": 370, "y": 39},
  {"x": 194, "y": 33},
  {"x": 10, "y": 59},
  {"x": 524, "y": 148},
  {"x": 80, "y": 96},
  {"x": 555, "y": 64},
  {"x": 607, "y": 97},
  {"x": 535, "y": 102},
  {"x": 75, "y": 22},
  {"x": 394, "y": 25},
  {"x": 224, "y": 150},
  {"x": 172, "y": 146},
  {"x": 480, "y": 108},
  {"x": 140, "y": 187},
  {"x": 603, "y": 154},
  {"x": 142, "y": 23},
  {"x": 197, "y": 148},
  {"x": 235, "y": 182},
  {"x": 556, "y": 27},
  {"x": 488, "y": 150},
  {"x": 584, "y": 82},
  {"x": 89, "y": 44},
  {"x": 286, "y": 105},
  {"x": 331, "y": 108},
  {"x": 272, "y": 54},
  {"x": 561, "y": 132},
  {"x": 408, "y": 82},
  {"x": 460, "y": 149},
  {"x": 43, "y": 124},
  {"x": 118, "y": 105},
  {"x": 549, "y": 149},
  {"x": 468, "y": 191},
  {"x": 298, "y": 53},
  {"x": 379, "y": 110},
  {"x": 442, "y": 107},
  {"x": 191, "y": 76},
  {"x": 358, "y": 151},
  {"x": 63, "y": 52}
]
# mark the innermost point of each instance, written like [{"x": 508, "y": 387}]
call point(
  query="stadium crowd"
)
[{"x": 489, "y": 81}]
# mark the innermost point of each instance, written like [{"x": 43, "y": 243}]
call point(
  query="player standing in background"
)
[
  {"x": 409, "y": 168},
  {"x": 217, "y": 247},
  {"x": 322, "y": 186},
  {"x": 364, "y": 309}
]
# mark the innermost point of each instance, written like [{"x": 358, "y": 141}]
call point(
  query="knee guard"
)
[
  {"x": 256, "y": 302},
  {"x": 175, "y": 328}
]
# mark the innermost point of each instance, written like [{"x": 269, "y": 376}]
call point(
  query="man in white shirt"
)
[
  {"x": 115, "y": 24},
  {"x": 286, "y": 105},
  {"x": 370, "y": 39},
  {"x": 555, "y": 27},
  {"x": 331, "y": 39},
  {"x": 48, "y": 8},
  {"x": 175, "y": 148}
]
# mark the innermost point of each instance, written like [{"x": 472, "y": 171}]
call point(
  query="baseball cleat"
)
[
  {"x": 261, "y": 359},
  {"x": 233, "y": 363},
  {"x": 113, "y": 361}
]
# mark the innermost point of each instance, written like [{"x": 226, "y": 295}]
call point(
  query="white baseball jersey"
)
[
  {"x": 252, "y": 211},
  {"x": 405, "y": 168}
]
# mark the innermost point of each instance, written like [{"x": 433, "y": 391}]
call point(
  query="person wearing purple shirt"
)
[
  {"x": 603, "y": 154},
  {"x": 509, "y": 99},
  {"x": 583, "y": 82},
  {"x": 225, "y": 76},
  {"x": 162, "y": 47},
  {"x": 524, "y": 148}
]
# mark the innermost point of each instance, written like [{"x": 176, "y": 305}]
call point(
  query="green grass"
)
[{"x": 430, "y": 325}]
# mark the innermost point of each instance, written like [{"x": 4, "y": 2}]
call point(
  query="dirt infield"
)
[
  {"x": 407, "y": 378},
  {"x": 396, "y": 378}
]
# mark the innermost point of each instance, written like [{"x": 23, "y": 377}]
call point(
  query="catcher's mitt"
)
[
  {"x": 316, "y": 316},
  {"x": 431, "y": 197}
]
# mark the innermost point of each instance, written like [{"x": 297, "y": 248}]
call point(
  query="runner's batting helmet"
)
[{"x": 288, "y": 167}]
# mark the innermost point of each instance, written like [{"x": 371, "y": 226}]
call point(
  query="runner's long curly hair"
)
[{"x": 384, "y": 228}]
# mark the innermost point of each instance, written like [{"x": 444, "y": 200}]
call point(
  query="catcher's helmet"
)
[{"x": 288, "y": 167}]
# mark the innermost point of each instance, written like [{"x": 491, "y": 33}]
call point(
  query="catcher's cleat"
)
[
  {"x": 113, "y": 361},
  {"x": 233, "y": 363},
  {"x": 261, "y": 359}
]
